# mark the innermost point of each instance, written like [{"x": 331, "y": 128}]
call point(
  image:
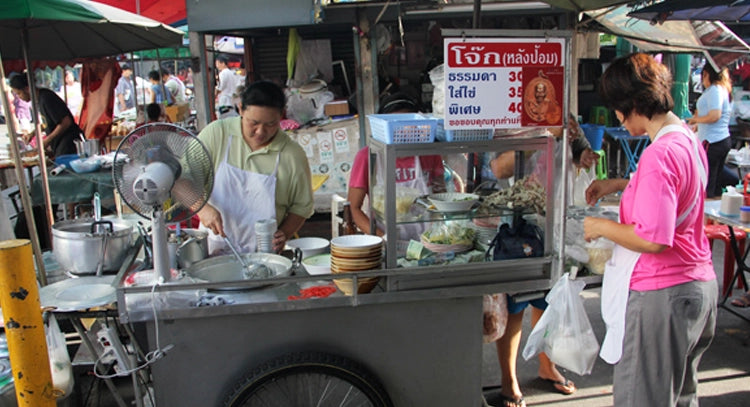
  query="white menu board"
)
[{"x": 503, "y": 82}]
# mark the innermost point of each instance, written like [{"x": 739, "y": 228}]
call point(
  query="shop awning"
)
[{"x": 712, "y": 38}]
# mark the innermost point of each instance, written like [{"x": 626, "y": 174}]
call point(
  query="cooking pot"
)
[
  {"x": 87, "y": 148},
  {"x": 192, "y": 247},
  {"x": 222, "y": 269},
  {"x": 81, "y": 244}
]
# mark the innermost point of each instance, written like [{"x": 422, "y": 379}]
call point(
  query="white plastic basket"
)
[
  {"x": 462, "y": 135},
  {"x": 402, "y": 128}
]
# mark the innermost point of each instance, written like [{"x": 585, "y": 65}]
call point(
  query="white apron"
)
[
  {"x": 619, "y": 269},
  {"x": 243, "y": 198}
]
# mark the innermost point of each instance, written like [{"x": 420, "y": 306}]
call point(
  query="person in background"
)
[
  {"x": 712, "y": 122},
  {"x": 425, "y": 174},
  {"x": 174, "y": 86},
  {"x": 124, "y": 92},
  {"x": 660, "y": 283},
  {"x": 61, "y": 129},
  {"x": 72, "y": 94},
  {"x": 226, "y": 85},
  {"x": 260, "y": 173},
  {"x": 158, "y": 95}
]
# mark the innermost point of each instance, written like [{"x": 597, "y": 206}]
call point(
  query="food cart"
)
[{"x": 403, "y": 342}]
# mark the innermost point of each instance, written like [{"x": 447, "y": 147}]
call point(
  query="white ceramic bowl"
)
[
  {"x": 310, "y": 246},
  {"x": 318, "y": 264},
  {"x": 356, "y": 242},
  {"x": 453, "y": 201}
]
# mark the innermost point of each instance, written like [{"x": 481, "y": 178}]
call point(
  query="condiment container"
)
[
  {"x": 745, "y": 214},
  {"x": 731, "y": 202}
]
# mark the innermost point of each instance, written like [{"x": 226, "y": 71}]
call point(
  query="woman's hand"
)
[
  {"x": 211, "y": 218},
  {"x": 600, "y": 188},
  {"x": 591, "y": 230}
]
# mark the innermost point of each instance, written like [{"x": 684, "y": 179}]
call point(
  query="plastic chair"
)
[
  {"x": 601, "y": 165},
  {"x": 714, "y": 231},
  {"x": 599, "y": 115}
]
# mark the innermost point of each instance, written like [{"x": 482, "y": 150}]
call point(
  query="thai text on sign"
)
[{"x": 503, "y": 82}]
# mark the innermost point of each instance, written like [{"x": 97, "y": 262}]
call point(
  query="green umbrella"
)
[{"x": 65, "y": 30}]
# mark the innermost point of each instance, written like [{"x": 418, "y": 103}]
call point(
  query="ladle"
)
[{"x": 249, "y": 269}]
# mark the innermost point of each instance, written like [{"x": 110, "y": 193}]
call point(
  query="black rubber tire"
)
[{"x": 303, "y": 364}]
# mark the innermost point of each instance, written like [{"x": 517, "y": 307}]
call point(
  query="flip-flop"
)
[
  {"x": 511, "y": 402},
  {"x": 742, "y": 302},
  {"x": 566, "y": 387}
]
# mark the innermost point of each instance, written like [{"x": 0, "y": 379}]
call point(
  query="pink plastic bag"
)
[{"x": 495, "y": 316}]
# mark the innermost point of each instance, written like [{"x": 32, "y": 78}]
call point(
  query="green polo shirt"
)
[{"x": 293, "y": 180}]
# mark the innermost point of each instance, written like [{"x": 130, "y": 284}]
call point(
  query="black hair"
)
[
  {"x": 222, "y": 58},
  {"x": 154, "y": 75},
  {"x": 165, "y": 71},
  {"x": 396, "y": 102},
  {"x": 126, "y": 66},
  {"x": 637, "y": 83},
  {"x": 153, "y": 111},
  {"x": 263, "y": 93},
  {"x": 18, "y": 81}
]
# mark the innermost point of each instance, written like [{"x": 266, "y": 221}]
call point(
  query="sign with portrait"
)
[{"x": 503, "y": 82}]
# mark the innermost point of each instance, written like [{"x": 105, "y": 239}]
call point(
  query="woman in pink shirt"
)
[{"x": 659, "y": 292}]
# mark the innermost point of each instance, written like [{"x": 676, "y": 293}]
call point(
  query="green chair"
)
[{"x": 600, "y": 115}]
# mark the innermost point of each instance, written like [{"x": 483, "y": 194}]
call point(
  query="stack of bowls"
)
[{"x": 352, "y": 253}]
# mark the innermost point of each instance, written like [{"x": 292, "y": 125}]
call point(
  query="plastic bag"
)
[
  {"x": 564, "y": 332},
  {"x": 495, "y": 316},
  {"x": 438, "y": 91},
  {"x": 584, "y": 178},
  {"x": 59, "y": 360},
  {"x": 600, "y": 251}
]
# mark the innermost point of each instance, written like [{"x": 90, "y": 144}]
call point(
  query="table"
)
[
  {"x": 711, "y": 211},
  {"x": 70, "y": 187},
  {"x": 632, "y": 151}
]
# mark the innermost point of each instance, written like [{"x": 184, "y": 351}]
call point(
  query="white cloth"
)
[
  {"x": 619, "y": 269},
  {"x": 243, "y": 198}
]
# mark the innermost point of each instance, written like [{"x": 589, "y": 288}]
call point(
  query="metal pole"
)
[
  {"x": 477, "y": 16},
  {"x": 24, "y": 328},
  {"x": 22, "y": 187},
  {"x": 37, "y": 129}
]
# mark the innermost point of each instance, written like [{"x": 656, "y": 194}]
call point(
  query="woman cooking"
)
[{"x": 660, "y": 285}]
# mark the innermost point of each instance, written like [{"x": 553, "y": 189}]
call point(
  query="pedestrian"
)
[{"x": 659, "y": 291}]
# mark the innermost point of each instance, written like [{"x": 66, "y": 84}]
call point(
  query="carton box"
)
[{"x": 337, "y": 108}]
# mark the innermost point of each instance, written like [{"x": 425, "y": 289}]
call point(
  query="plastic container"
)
[
  {"x": 264, "y": 230},
  {"x": 462, "y": 135},
  {"x": 594, "y": 134},
  {"x": 745, "y": 214},
  {"x": 403, "y": 128}
]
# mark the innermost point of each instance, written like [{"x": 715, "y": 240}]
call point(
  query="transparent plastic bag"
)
[
  {"x": 438, "y": 91},
  {"x": 59, "y": 360},
  {"x": 600, "y": 251},
  {"x": 564, "y": 332},
  {"x": 495, "y": 316},
  {"x": 583, "y": 178}
]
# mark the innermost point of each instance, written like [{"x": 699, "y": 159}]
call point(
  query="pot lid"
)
[{"x": 315, "y": 85}]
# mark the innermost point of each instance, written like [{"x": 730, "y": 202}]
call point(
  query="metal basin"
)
[
  {"x": 227, "y": 269},
  {"x": 79, "y": 244}
]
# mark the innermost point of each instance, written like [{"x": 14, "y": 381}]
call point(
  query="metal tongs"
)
[{"x": 248, "y": 269}]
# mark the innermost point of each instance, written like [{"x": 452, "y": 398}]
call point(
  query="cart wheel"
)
[{"x": 309, "y": 379}]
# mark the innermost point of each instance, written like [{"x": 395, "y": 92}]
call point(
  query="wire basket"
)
[
  {"x": 402, "y": 128},
  {"x": 462, "y": 135}
]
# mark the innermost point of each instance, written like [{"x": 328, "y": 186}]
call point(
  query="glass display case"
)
[{"x": 446, "y": 218}]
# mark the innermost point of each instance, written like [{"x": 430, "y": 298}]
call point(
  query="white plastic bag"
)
[
  {"x": 59, "y": 360},
  {"x": 564, "y": 332},
  {"x": 583, "y": 178},
  {"x": 495, "y": 316}
]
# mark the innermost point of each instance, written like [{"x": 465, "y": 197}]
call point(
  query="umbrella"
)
[
  {"x": 722, "y": 10},
  {"x": 67, "y": 30}
]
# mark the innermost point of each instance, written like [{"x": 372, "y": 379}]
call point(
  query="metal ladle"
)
[{"x": 249, "y": 269}]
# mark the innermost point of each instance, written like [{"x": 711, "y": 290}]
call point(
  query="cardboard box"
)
[
  {"x": 178, "y": 113},
  {"x": 337, "y": 108}
]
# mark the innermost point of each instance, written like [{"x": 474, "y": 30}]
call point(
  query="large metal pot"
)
[
  {"x": 192, "y": 247},
  {"x": 226, "y": 268},
  {"x": 81, "y": 244}
]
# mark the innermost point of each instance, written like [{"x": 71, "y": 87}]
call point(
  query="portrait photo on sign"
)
[{"x": 542, "y": 96}]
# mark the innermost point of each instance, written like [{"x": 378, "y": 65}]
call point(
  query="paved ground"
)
[{"x": 724, "y": 370}]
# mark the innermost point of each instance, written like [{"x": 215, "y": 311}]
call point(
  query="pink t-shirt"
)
[
  {"x": 662, "y": 188},
  {"x": 359, "y": 177}
]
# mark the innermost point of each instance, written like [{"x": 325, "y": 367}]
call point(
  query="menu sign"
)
[{"x": 503, "y": 82}]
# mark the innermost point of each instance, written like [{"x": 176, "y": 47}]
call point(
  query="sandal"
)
[
  {"x": 566, "y": 387},
  {"x": 742, "y": 302},
  {"x": 511, "y": 402}
]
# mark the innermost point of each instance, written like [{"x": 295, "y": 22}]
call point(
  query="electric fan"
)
[{"x": 165, "y": 173}]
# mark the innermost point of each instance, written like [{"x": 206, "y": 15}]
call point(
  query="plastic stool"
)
[
  {"x": 601, "y": 165},
  {"x": 599, "y": 115},
  {"x": 714, "y": 231}
]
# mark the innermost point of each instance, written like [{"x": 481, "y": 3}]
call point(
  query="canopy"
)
[
  {"x": 722, "y": 10},
  {"x": 65, "y": 30},
  {"x": 172, "y": 12},
  {"x": 713, "y": 38}
]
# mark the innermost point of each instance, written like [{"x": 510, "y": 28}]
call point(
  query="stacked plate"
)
[{"x": 352, "y": 253}]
